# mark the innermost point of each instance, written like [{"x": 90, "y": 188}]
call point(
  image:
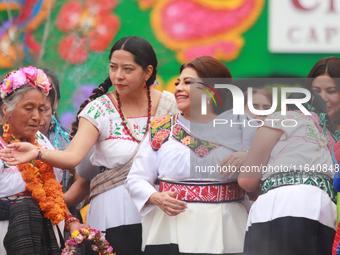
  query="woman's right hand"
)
[
  {"x": 19, "y": 153},
  {"x": 166, "y": 201}
]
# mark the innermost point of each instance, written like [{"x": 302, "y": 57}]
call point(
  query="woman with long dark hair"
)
[
  {"x": 291, "y": 156},
  {"x": 115, "y": 123},
  {"x": 324, "y": 78}
]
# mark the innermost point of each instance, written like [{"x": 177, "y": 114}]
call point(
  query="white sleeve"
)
[{"x": 141, "y": 178}]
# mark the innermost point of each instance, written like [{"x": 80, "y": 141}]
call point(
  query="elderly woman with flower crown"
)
[{"x": 32, "y": 209}]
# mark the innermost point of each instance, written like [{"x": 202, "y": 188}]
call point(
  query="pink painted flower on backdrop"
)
[
  {"x": 19, "y": 79},
  {"x": 90, "y": 25}
]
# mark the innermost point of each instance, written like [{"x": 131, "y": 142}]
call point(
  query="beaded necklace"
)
[{"x": 124, "y": 122}]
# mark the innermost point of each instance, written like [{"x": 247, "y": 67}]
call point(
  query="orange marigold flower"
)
[{"x": 38, "y": 194}]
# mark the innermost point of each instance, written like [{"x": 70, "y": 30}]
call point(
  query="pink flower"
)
[
  {"x": 42, "y": 81},
  {"x": 19, "y": 79},
  {"x": 79, "y": 238},
  {"x": 71, "y": 242},
  {"x": 159, "y": 137},
  {"x": 91, "y": 236},
  {"x": 110, "y": 249},
  {"x": 176, "y": 129},
  {"x": 102, "y": 237},
  {"x": 94, "y": 247},
  {"x": 30, "y": 72},
  {"x": 201, "y": 150}
]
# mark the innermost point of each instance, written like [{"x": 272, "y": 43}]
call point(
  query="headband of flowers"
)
[{"x": 27, "y": 75}]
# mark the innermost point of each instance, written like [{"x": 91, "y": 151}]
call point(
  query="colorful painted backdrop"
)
[{"x": 73, "y": 39}]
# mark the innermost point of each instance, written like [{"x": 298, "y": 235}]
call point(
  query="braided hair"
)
[{"x": 144, "y": 55}]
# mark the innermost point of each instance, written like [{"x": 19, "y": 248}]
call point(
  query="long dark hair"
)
[
  {"x": 144, "y": 55},
  {"x": 54, "y": 93},
  {"x": 209, "y": 67}
]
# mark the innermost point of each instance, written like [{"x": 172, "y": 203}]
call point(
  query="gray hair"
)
[{"x": 12, "y": 100}]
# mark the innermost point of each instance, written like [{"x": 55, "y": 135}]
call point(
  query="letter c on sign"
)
[{"x": 298, "y": 5}]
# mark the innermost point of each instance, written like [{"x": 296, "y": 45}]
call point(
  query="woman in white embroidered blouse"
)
[
  {"x": 204, "y": 215},
  {"x": 115, "y": 124},
  {"x": 296, "y": 213}
]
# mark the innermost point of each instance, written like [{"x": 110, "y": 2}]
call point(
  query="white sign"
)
[{"x": 304, "y": 26}]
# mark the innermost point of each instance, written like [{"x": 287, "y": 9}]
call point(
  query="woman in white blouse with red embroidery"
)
[{"x": 114, "y": 123}]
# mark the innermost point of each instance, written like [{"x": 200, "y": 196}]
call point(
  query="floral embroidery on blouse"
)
[
  {"x": 160, "y": 132},
  {"x": 117, "y": 130},
  {"x": 313, "y": 134},
  {"x": 102, "y": 107}
]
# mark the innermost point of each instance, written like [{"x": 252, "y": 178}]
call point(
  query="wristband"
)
[{"x": 39, "y": 153}]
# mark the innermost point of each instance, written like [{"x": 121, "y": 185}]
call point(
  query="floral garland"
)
[
  {"x": 27, "y": 75},
  {"x": 41, "y": 182},
  {"x": 78, "y": 237}
]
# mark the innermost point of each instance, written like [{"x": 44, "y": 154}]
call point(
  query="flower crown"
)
[{"x": 27, "y": 75}]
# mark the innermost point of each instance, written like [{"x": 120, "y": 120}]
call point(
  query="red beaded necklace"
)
[{"x": 124, "y": 122}]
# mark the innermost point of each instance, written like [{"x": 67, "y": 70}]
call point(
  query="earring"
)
[
  {"x": 5, "y": 128},
  {"x": 6, "y": 135},
  {"x": 144, "y": 87}
]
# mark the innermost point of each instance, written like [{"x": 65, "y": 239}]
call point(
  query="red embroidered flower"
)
[
  {"x": 91, "y": 26},
  {"x": 125, "y": 132},
  {"x": 159, "y": 138},
  {"x": 201, "y": 150},
  {"x": 135, "y": 126},
  {"x": 176, "y": 129}
]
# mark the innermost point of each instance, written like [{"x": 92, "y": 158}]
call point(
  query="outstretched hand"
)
[
  {"x": 166, "y": 201},
  {"x": 19, "y": 153}
]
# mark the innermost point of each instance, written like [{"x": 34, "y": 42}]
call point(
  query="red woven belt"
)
[{"x": 198, "y": 191}]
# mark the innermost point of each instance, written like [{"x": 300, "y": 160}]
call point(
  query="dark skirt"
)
[
  {"x": 125, "y": 240},
  {"x": 289, "y": 236},
  {"x": 172, "y": 249},
  {"x": 291, "y": 220}
]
